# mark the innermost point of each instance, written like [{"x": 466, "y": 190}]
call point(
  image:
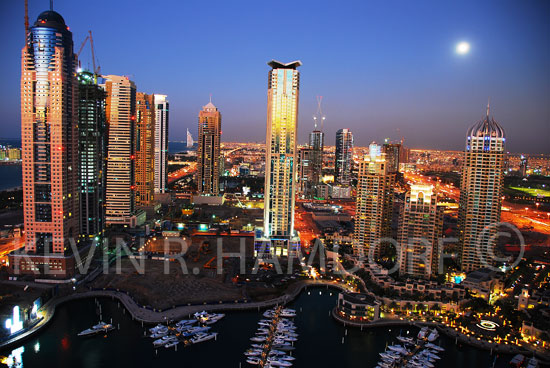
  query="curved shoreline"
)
[
  {"x": 149, "y": 316},
  {"x": 449, "y": 332}
]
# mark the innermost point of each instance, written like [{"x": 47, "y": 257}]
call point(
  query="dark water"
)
[
  {"x": 175, "y": 147},
  {"x": 10, "y": 176},
  {"x": 319, "y": 344}
]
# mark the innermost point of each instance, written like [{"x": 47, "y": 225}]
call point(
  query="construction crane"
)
[
  {"x": 97, "y": 69},
  {"x": 319, "y": 114}
]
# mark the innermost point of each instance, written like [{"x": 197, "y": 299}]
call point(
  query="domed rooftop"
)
[
  {"x": 50, "y": 18},
  {"x": 487, "y": 127}
]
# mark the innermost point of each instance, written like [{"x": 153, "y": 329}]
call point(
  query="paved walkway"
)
[{"x": 151, "y": 316}]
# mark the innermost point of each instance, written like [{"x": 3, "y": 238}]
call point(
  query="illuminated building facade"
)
[
  {"x": 162, "y": 112},
  {"x": 145, "y": 149},
  {"x": 278, "y": 237},
  {"x": 305, "y": 170},
  {"x": 49, "y": 135},
  {"x": 344, "y": 157},
  {"x": 373, "y": 204},
  {"x": 121, "y": 120},
  {"x": 419, "y": 230},
  {"x": 393, "y": 153},
  {"x": 317, "y": 145},
  {"x": 92, "y": 153},
  {"x": 208, "y": 151},
  {"x": 481, "y": 193}
]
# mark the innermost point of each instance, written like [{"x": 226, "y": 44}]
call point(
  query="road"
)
[
  {"x": 180, "y": 173},
  {"x": 9, "y": 245}
]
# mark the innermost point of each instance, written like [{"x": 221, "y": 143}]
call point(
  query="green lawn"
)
[{"x": 533, "y": 192}]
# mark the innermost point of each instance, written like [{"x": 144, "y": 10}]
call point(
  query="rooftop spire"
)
[
  {"x": 488, "y": 101},
  {"x": 51, "y": 5}
]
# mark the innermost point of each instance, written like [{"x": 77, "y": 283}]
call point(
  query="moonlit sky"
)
[{"x": 384, "y": 68}]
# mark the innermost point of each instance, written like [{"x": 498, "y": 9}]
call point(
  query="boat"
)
[
  {"x": 258, "y": 338},
  {"x": 159, "y": 334},
  {"x": 253, "y": 360},
  {"x": 200, "y": 337},
  {"x": 423, "y": 332},
  {"x": 210, "y": 319},
  {"x": 171, "y": 344},
  {"x": 434, "y": 347},
  {"x": 194, "y": 331},
  {"x": 186, "y": 322},
  {"x": 158, "y": 328},
  {"x": 164, "y": 340},
  {"x": 433, "y": 335},
  {"x": 517, "y": 360},
  {"x": 101, "y": 327},
  {"x": 398, "y": 348},
  {"x": 406, "y": 340},
  {"x": 257, "y": 346},
  {"x": 287, "y": 357},
  {"x": 279, "y": 363},
  {"x": 533, "y": 363}
]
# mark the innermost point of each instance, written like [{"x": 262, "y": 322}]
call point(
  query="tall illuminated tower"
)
[
  {"x": 481, "y": 192},
  {"x": 344, "y": 157},
  {"x": 121, "y": 119},
  {"x": 92, "y": 145},
  {"x": 420, "y": 228},
  {"x": 49, "y": 135},
  {"x": 161, "y": 142},
  {"x": 279, "y": 237},
  {"x": 373, "y": 204},
  {"x": 145, "y": 149},
  {"x": 208, "y": 151}
]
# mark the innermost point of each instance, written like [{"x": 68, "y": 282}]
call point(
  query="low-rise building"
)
[{"x": 358, "y": 307}]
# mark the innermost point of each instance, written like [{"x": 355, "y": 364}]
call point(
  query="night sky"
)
[{"x": 384, "y": 68}]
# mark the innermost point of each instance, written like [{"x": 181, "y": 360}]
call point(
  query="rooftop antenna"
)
[
  {"x": 319, "y": 114},
  {"x": 211, "y": 98},
  {"x": 26, "y": 19},
  {"x": 51, "y": 5},
  {"x": 488, "y": 101}
]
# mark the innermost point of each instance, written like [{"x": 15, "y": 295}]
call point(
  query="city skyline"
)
[{"x": 424, "y": 82}]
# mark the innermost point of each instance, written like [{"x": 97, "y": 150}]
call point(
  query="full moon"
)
[{"x": 462, "y": 48}]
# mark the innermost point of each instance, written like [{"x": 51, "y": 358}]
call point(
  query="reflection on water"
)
[{"x": 322, "y": 343}]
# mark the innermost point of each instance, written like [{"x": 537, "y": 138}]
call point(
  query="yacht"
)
[
  {"x": 253, "y": 360},
  {"x": 210, "y": 319},
  {"x": 533, "y": 363},
  {"x": 253, "y": 352},
  {"x": 423, "y": 332},
  {"x": 434, "y": 347},
  {"x": 158, "y": 328},
  {"x": 398, "y": 348},
  {"x": 200, "y": 337},
  {"x": 406, "y": 340},
  {"x": 159, "y": 334},
  {"x": 194, "y": 331},
  {"x": 164, "y": 340},
  {"x": 101, "y": 327},
  {"x": 171, "y": 344},
  {"x": 279, "y": 363},
  {"x": 258, "y": 338},
  {"x": 433, "y": 335}
]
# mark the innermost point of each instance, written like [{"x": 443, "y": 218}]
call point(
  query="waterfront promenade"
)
[
  {"x": 450, "y": 332},
  {"x": 148, "y": 315}
]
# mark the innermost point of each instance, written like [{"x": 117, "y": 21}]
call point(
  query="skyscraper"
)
[
  {"x": 121, "y": 120},
  {"x": 480, "y": 193},
  {"x": 161, "y": 142},
  {"x": 49, "y": 136},
  {"x": 279, "y": 237},
  {"x": 373, "y": 204},
  {"x": 92, "y": 152},
  {"x": 344, "y": 157},
  {"x": 208, "y": 151},
  {"x": 317, "y": 144},
  {"x": 145, "y": 149},
  {"x": 305, "y": 170},
  {"x": 420, "y": 228},
  {"x": 393, "y": 153}
]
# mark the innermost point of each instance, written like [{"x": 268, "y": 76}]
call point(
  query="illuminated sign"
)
[{"x": 14, "y": 324}]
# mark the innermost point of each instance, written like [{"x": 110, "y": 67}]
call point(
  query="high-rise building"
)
[
  {"x": 393, "y": 153},
  {"x": 121, "y": 120},
  {"x": 208, "y": 151},
  {"x": 145, "y": 149},
  {"x": 374, "y": 203},
  {"x": 92, "y": 146},
  {"x": 49, "y": 135},
  {"x": 480, "y": 193},
  {"x": 278, "y": 237},
  {"x": 419, "y": 230},
  {"x": 162, "y": 107},
  {"x": 344, "y": 157},
  {"x": 305, "y": 170},
  {"x": 317, "y": 144}
]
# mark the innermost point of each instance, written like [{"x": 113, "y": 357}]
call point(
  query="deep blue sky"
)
[{"x": 385, "y": 68}]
